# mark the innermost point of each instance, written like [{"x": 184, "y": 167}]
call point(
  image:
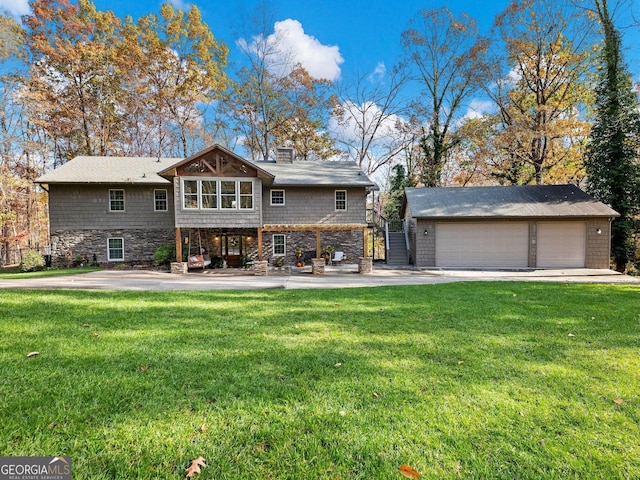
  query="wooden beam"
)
[
  {"x": 313, "y": 227},
  {"x": 318, "y": 253},
  {"x": 178, "y": 245},
  {"x": 259, "y": 244},
  {"x": 365, "y": 241}
]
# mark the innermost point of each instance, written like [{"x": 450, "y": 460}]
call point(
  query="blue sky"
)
[{"x": 339, "y": 37}]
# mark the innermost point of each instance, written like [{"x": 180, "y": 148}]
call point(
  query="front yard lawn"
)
[
  {"x": 14, "y": 273},
  {"x": 460, "y": 380}
]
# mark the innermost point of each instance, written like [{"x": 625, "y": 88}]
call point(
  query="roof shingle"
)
[{"x": 504, "y": 202}]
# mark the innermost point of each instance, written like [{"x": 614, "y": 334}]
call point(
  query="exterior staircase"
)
[{"x": 397, "y": 249}]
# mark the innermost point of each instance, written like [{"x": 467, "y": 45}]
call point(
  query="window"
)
[
  {"x": 190, "y": 194},
  {"x": 277, "y": 197},
  {"x": 217, "y": 194},
  {"x": 115, "y": 249},
  {"x": 228, "y": 194},
  {"x": 116, "y": 200},
  {"x": 341, "y": 199},
  {"x": 279, "y": 245},
  {"x": 160, "y": 203},
  {"x": 246, "y": 195},
  {"x": 209, "y": 194}
]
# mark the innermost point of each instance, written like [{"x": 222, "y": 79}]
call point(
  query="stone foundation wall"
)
[
  {"x": 350, "y": 242},
  {"x": 139, "y": 245}
]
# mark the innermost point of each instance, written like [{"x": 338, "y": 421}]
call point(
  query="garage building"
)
[{"x": 533, "y": 226}]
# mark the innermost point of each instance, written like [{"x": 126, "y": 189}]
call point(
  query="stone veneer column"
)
[
  {"x": 365, "y": 265},
  {"x": 260, "y": 268},
  {"x": 179, "y": 267},
  {"x": 317, "y": 266}
]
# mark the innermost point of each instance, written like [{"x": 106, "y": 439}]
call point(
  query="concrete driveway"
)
[{"x": 334, "y": 277}]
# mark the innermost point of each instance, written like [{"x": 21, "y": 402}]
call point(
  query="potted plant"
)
[
  {"x": 299, "y": 260},
  {"x": 327, "y": 250}
]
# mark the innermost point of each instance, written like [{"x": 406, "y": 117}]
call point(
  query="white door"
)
[
  {"x": 492, "y": 244},
  {"x": 562, "y": 244}
]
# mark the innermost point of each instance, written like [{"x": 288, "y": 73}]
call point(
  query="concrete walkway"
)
[{"x": 344, "y": 276}]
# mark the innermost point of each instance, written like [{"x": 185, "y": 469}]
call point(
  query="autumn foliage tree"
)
[
  {"x": 275, "y": 101},
  {"x": 177, "y": 65},
  {"x": 445, "y": 54},
  {"x": 541, "y": 88},
  {"x": 98, "y": 87}
]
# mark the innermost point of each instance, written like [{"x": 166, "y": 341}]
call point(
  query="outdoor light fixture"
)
[
  {"x": 426, "y": 232},
  {"x": 599, "y": 231}
]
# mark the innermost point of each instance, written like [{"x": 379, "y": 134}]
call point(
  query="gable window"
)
[
  {"x": 214, "y": 194},
  {"x": 246, "y": 195},
  {"x": 160, "y": 203},
  {"x": 341, "y": 199},
  {"x": 228, "y": 194},
  {"x": 209, "y": 194},
  {"x": 115, "y": 249},
  {"x": 277, "y": 197},
  {"x": 116, "y": 200},
  {"x": 279, "y": 245},
  {"x": 190, "y": 194}
]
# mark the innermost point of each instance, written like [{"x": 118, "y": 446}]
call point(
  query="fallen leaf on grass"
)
[
  {"x": 195, "y": 467},
  {"x": 571, "y": 335},
  {"x": 619, "y": 401},
  {"x": 203, "y": 427},
  {"x": 86, "y": 325},
  {"x": 143, "y": 368},
  {"x": 32, "y": 354},
  {"x": 338, "y": 364},
  {"x": 408, "y": 472},
  {"x": 343, "y": 413},
  {"x": 376, "y": 394},
  {"x": 95, "y": 334},
  {"x": 460, "y": 362}
]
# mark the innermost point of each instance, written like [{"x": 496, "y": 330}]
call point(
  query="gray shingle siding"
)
[
  {"x": 314, "y": 205},
  {"x": 87, "y": 207}
]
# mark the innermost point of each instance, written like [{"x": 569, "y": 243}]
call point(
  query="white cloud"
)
[
  {"x": 321, "y": 61},
  {"x": 15, "y": 8},
  {"x": 181, "y": 4},
  {"x": 378, "y": 73},
  {"x": 477, "y": 108},
  {"x": 290, "y": 45}
]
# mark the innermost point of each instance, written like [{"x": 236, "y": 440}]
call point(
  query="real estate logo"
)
[{"x": 35, "y": 468}]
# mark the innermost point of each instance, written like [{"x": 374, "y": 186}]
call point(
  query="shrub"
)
[
  {"x": 164, "y": 256},
  {"x": 32, "y": 261}
]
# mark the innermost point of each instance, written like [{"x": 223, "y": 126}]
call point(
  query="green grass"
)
[
  {"x": 461, "y": 380},
  {"x": 14, "y": 273}
]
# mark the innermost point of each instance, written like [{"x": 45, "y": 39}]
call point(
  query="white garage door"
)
[
  {"x": 562, "y": 244},
  {"x": 496, "y": 244}
]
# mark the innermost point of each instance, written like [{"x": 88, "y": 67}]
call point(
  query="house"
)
[
  {"x": 118, "y": 209},
  {"x": 555, "y": 226}
]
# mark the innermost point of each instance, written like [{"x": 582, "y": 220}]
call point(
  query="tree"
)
[
  {"x": 367, "y": 121},
  {"x": 275, "y": 101},
  {"x": 75, "y": 82},
  {"x": 541, "y": 91},
  {"x": 22, "y": 212},
  {"x": 613, "y": 172},
  {"x": 392, "y": 198},
  {"x": 445, "y": 53},
  {"x": 178, "y": 65}
]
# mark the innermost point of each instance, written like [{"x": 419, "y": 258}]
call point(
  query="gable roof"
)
[
  {"x": 172, "y": 170},
  {"x": 503, "y": 202},
  {"x": 126, "y": 170},
  {"x": 306, "y": 173},
  {"x": 151, "y": 170}
]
